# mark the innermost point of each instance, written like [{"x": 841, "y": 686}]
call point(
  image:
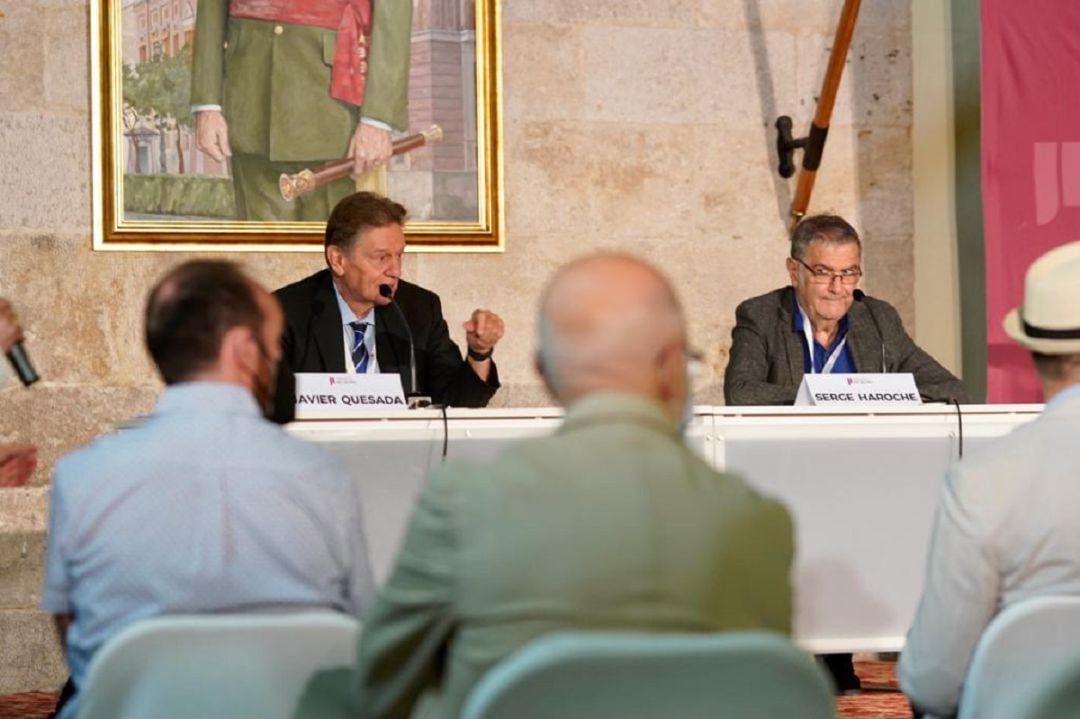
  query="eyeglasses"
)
[{"x": 823, "y": 276}]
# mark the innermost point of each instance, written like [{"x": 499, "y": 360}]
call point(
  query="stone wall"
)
[{"x": 643, "y": 125}]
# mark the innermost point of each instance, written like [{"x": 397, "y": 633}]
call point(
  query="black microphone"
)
[
  {"x": 386, "y": 292},
  {"x": 21, "y": 363},
  {"x": 859, "y": 296}
]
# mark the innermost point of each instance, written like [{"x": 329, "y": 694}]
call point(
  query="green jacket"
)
[
  {"x": 611, "y": 523},
  {"x": 274, "y": 87}
]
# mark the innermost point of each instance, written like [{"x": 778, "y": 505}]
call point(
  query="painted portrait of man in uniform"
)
[{"x": 220, "y": 98}]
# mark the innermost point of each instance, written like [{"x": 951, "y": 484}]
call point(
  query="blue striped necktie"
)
[{"x": 360, "y": 354}]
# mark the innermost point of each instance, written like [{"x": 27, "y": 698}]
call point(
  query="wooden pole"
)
[{"x": 819, "y": 129}]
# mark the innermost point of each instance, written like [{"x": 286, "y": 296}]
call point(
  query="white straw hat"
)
[{"x": 1049, "y": 320}]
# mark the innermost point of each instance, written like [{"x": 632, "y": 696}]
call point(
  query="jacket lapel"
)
[
  {"x": 793, "y": 349},
  {"x": 391, "y": 344},
  {"x": 863, "y": 339},
  {"x": 329, "y": 337}
]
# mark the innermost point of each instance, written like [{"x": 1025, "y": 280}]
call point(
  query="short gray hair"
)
[{"x": 821, "y": 228}]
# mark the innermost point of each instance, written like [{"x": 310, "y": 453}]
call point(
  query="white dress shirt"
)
[{"x": 347, "y": 317}]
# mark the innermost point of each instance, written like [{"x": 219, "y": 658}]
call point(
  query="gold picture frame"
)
[{"x": 123, "y": 137}]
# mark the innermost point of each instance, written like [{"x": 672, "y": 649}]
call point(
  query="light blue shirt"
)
[
  {"x": 204, "y": 506},
  {"x": 1063, "y": 395},
  {"x": 347, "y": 316}
]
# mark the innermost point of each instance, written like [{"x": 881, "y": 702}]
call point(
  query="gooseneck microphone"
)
[
  {"x": 20, "y": 361},
  {"x": 386, "y": 292},
  {"x": 859, "y": 296}
]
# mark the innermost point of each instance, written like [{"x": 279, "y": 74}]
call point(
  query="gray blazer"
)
[{"x": 766, "y": 361}]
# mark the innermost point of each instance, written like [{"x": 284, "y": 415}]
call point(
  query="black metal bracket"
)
[
  {"x": 812, "y": 146},
  {"x": 786, "y": 146}
]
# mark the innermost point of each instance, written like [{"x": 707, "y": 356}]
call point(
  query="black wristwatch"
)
[{"x": 480, "y": 356}]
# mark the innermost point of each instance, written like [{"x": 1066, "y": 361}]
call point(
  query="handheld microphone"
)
[
  {"x": 20, "y": 361},
  {"x": 859, "y": 296},
  {"x": 386, "y": 292}
]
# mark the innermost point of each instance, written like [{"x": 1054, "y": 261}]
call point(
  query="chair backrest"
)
[
  {"x": 1058, "y": 697},
  {"x": 597, "y": 675},
  {"x": 214, "y": 666},
  {"x": 1022, "y": 646}
]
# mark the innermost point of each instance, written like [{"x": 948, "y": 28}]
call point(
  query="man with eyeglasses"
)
[{"x": 822, "y": 324}]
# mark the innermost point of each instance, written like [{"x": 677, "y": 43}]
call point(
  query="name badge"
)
[
  {"x": 858, "y": 390},
  {"x": 340, "y": 396}
]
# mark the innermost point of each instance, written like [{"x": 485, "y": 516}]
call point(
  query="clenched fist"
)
[{"x": 483, "y": 330}]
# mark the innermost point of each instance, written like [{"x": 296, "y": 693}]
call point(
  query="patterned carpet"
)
[{"x": 879, "y": 700}]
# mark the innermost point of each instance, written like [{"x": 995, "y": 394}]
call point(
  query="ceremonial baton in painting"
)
[
  {"x": 292, "y": 186},
  {"x": 813, "y": 145}
]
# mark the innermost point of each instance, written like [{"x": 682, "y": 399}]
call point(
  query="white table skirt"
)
[{"x": 862, "y": 488}]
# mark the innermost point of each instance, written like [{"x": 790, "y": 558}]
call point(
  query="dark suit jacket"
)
[
  {"x": 766, "y": 361},
  {"x": 313, "y": 342}
]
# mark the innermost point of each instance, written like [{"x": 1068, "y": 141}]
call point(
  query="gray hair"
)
[{"x": 821, "y": 228}]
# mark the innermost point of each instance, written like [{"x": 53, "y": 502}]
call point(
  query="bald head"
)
[{"x": 611, "y": 322}]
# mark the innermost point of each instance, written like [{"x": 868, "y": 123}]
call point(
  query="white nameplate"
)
[
  {"x": 858, "y": 390},
  {"x": 337, "y": 396}
]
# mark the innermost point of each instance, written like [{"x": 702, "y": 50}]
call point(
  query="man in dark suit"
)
[
  {"x": 337, "y": 320},
  {"x": 821, "y": 324}
]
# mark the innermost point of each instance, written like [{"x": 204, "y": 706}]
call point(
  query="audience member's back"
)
[
  {"x": 204, "y": 505},
  {"x": 201, "y": 510},
  {"x": 612, "y": 523}
]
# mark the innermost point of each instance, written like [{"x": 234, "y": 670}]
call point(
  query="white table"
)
[{"x": 862, "y": 488}]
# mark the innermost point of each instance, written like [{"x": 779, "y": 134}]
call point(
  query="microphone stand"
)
[{"x": 414, "y": 400}]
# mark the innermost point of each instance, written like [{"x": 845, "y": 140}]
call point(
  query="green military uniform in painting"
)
[
  {"x": 611, "y": 523},
  {"x": 272, "y": 81}
]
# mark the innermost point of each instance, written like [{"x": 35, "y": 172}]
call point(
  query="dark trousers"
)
[
  {"x": 842, "y": 669},
  {"x": 65, "y": 696}
]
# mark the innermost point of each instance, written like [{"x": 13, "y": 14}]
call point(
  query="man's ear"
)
[
  {"x": 669, "y": 369},
  {"x": 238, "y": 348},
  {"x": 793, "y": 271},
  {"x": 1071, "y": 365},
  {"x": 542, "y": 370},
  {"x": 335, "y": 260}
]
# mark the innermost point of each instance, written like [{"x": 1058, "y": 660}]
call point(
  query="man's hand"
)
[
  {"x": 17, "y": 464},
  {"x": 212, "y": 134},
  {"x": 483, "y": 331},
  {"x": 10, "y": 331},
  {"x": 370, "y": 147}
]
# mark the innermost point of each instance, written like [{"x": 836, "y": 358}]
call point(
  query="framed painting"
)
[{"x": 234, "y": 124}]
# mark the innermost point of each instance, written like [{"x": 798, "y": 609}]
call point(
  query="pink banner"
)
[{"x": 1030, "y": 91}]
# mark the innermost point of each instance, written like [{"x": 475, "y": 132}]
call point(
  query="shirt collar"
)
[
  {"x": 347, "y": 315},
  {"x": 607, "y": 407},
  {"x": 207, "y": 397},
  {"x": 797, "y": 315}
]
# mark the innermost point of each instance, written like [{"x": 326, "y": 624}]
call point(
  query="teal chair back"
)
[
  {"x": 1021, "y": 650},
  {"x": 616, "y": 675},
  {"x": 1059, "y": 696},
  {"x": 222, "y": 666}
]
